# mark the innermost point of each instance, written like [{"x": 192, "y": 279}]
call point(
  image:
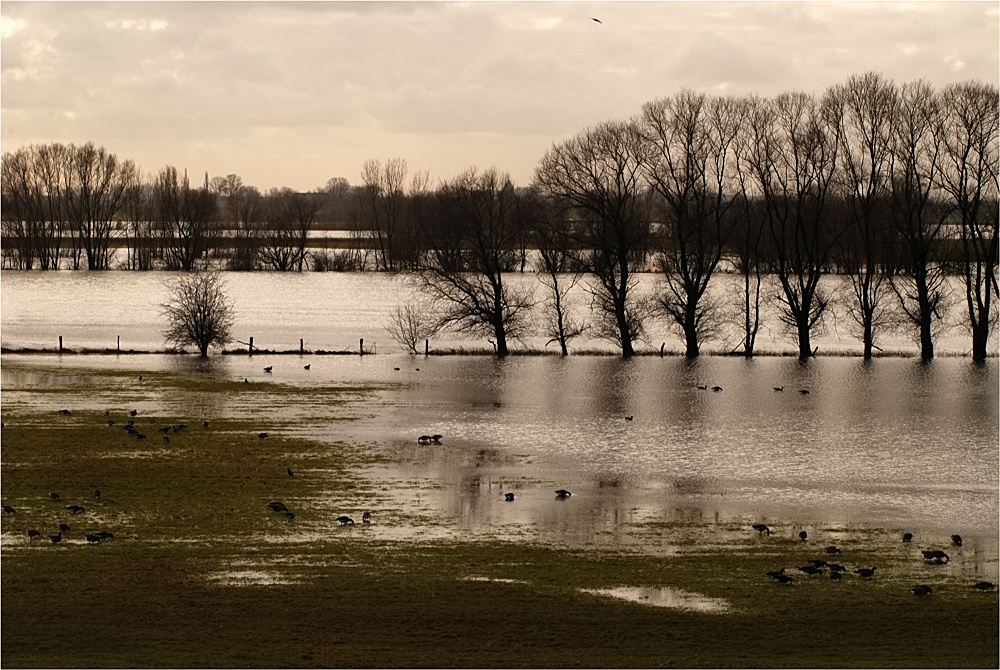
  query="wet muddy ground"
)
[{"x": 445, "y": 558}]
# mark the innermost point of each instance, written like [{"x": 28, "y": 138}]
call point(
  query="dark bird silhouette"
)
[
  {"x": 436, "y": 439},
  {"x": 107, "y": 413},
  {"x": 836, "y": 567},
  {"x": 803, "y": 535},
  {"x": 290, "y": 516},
  {"x": 508, "y": 496},
  {"x": 804, "y": 391},
  {"x": 268, "y": 368},
  {"x": 907, "y": 537},
  {"x": 562, "y": 494},
  {"x": 204, "y": 424},
  {"x": 290, "y": 473},
  {"x": 277, "y": 506},
  {"x": 774, "y": 574},
  {"x": 105, "y": 535},
  {"x": 597, "y": 20},
  {"x": 810, "y": 570},
  {"x": 833, "y": 550},
  {"x": 166, "y": 439},
  {"x": 133, "y": 412},
  {"x": 921, "y": 590},
  {"x": 344, "y": 520},
  {"x": 306, "y": 367},
  {"x": 835, "y": 576},
  {"x": 166, "y": 429},
  {"x": 396, "y": 369},
  {"x": 366, "y": 517},
  {"x": 65, "y": 412},
  {"x": 97, "y": 493},
  {"x": 64, "y": 527},
  {"x": 703, "y": 388},
  {"x": 262, "y": 435},
  {"x": 761, "y": 528},
  {"x": 110, "y": 422},
  {"x": 246, "y": 381},
  {"x": 816, "y": 562},
  {"x": 54, "y": 496},
  {"x": 92, "y": 539},
  {"x": 74, "y": 509},
  {"x": 32, "y": 534},
  {"x": 57, "y": 538},
  {"x": 783, "y": 579},
  {"x": 152, "y": 421},
  {"x": 866, "y": 572},
  {"x": 9, "y": 510},
  {"x": 778, "y": 388},
  {"x": 956, "y": 540},
  {"x": 983, "y": 586},
  {"x": 629, "y": 417},
  {"x": 935, "y": 556},
  {"x": 717, "y": 389}
]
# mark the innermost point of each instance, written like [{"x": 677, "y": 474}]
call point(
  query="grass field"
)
[{"x": 200, "y": 573}]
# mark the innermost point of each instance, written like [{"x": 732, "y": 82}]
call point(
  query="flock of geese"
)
[{"x": 836, "y": 571}]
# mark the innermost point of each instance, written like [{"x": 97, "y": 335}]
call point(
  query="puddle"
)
[{"x": 664, "y": 597}]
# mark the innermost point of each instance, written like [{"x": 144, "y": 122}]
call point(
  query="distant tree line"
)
[{"x": 892, "y": 185}]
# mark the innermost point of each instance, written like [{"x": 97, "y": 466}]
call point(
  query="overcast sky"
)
[{"x": 292, "y": 94}]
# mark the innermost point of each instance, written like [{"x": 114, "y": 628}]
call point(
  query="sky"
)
[{"x": 293, "y": 94}]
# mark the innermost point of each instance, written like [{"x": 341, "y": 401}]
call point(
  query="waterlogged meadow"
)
[{"x": 652, "y": 561}]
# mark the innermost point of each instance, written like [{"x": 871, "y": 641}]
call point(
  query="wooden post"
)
[
  {"x": 251, "y": 346},
  {"x": 301, "y": 346},
  {"x": 60, "y": 343},
  {"x": 427, "y": 346},
  {"x": 119, "y": 343},
  {"x": 661, "y": 349},
  {"x": 361, "y": 346}
]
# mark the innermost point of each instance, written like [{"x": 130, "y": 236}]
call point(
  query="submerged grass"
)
[{"x": 200, "y": 573}]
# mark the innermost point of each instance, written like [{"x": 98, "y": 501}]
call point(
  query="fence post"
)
[
  {"x": 301, "y": 346},
  {"x": 361, "y": 346},
  {"x": 250, "y": 351},
  {"x": 60, "y": 343},
  {"x": 661, "y": 349},
  {"x": 427, "y": 346},
  {"x": 119, "y": 343}
]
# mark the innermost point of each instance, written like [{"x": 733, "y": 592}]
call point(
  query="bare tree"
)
[
  {"x": 381, "y": 211},
  {"x": 185, "y": 217},
  {"x": 198, "y": 312},
  {"x": 862, "y": 111},
  {"x": 691, "y": 137},
  {"x": 472, "y": 245},
  {"x": 98, "y": 186},
  {"x": 599, "y": 173},
  {"x": 412, "y": 323},
  {"x": 141, "y": 239},
  {"x": 792, "y": 157},
  {"x": 289, "y": 218},
  {"x": 916, "y": 213},
  {"x": 968, "y": 176}
]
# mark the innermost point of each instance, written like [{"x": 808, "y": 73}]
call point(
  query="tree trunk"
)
[
  {"x": 805, "y": 348},
  {"x": 690, "y": 334},
  {"x": 926, "y": 314},
  {"x": 868, "y": 337}
]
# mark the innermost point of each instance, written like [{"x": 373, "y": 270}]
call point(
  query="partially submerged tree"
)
[
  {"x": 410, "y": 324},
  {"x": 198, "y": 312},
  {"x": 472, "y": 244},
  {"x": 599, "y": 173}
]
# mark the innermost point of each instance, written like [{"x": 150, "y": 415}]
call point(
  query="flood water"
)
[{"x": 887, "y": 446}]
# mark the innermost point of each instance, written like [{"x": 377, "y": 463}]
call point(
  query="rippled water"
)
[{"x": 333, "y": 311}]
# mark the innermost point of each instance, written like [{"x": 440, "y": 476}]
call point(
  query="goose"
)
[
  {"x": 110, "y": 422},
  {"x": 105, "y": 535},
  {"x": 277, "y": 506},
  {"x": 64, "y": 528},
  {"x": 366, "y": 517},
  {"x": 774, "y": 574},
  {"x": 804, "y": 391},
  {"x": 436, "y": 439},
  {"x": 508, "y": 497},
  {"x": 344, "y": 520},
  {"x": 778, "y": 389},
  {"x": 204, "y": 424},
  {"x": 783, "y": 579},
  {"x": 262, "y": 435},
  {"x": 65, "y": 412},
  {"x": 597, "y": 20},
  {"x": 269, "y": 368},
  {"x": 810, "y": 570},
  {"x": 835, "y": 576},
  {"x": 956, "y": 540},
  {"x": 7, "y": 509},
  {"x": 32, "y": 534},
  {"x": 290, "y": 516},
  {"x": 803, "y": 535},
  {"x": 703, "y": 388},
  {"x": 152, "y": 421},
  {"x": 717, "y": 389},
  {"x": 983, "y": 586},
  {"x": 92, "y": 539},
  {"x": 833, "y": 550},
  {"x": 866, "y": 572},
  {"x": 562, "y": 494},
  {"x": 935, "y": 556},
  {"x": 97, "y": 493},
  {"x": 54, "y": 496},
  {"x": 57, "y": 538},
  {"x": 907, "y": 537},
  {"x": 921, "y": 590},
  {"x": 133, "y": 412},
  {"x": 816, "y": 562},
  {"x": 761, "y": 528},
  {"x": 424, "y": 439},
  {"x": 630, "y": 417},
  {"x": 836, "y": 567},
  {"x": 74, "y": 509},
  {"x": 166, "y": 439},
  {"x": 290, "y": 473},
  {"x": 306, "y": 367}
]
